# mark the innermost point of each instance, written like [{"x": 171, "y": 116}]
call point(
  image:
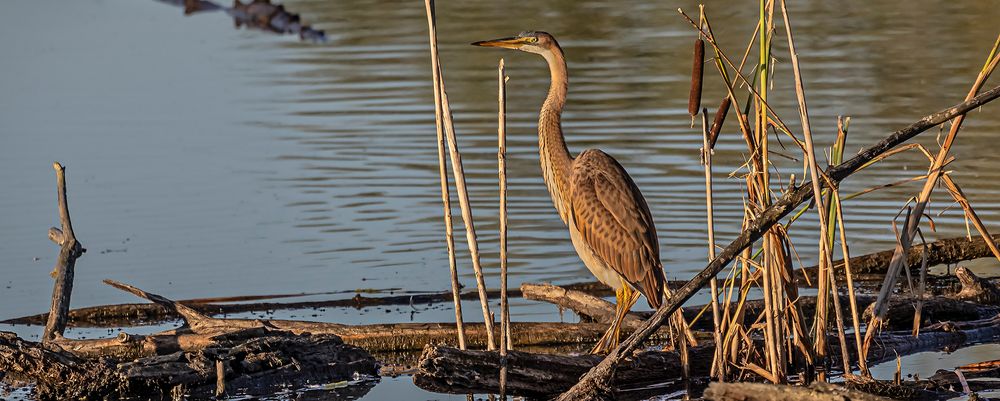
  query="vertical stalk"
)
[
  {"x": 855, "y": 316},
  {"x": 443, "y": 173},
  {"x": 824, "y": 257},
  {"x": 718, "y": 363},
  {"x": 459, "y": 172},
  {"x": 505, "y": 341}
]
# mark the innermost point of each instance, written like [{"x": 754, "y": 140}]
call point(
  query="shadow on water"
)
[{"x": 257, "y": 14}]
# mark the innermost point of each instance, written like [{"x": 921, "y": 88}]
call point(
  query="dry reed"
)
[{"x": 459, "y": 172}]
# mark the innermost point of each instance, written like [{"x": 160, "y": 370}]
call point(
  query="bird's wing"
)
[{"x": 613, "y": 218}]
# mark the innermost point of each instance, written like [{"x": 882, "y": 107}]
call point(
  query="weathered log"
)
[
  {"x": 583, "y": 304},
  {"x": 977, "y": 300},
  {"x": 376, "y": 337},
  {"x": 69, "y": 250},
  {"x": 935, "y": 309},
  {"x": 946, "y": 251},
  {"x": 450, "y": 370},
  {"x": 906, "y": 390},
  {"x": 128, "y": 314},
  {"x": 254, "y": 364},
  {"x": 600, "y": 310},
  {"x": 770, "y": 392}
]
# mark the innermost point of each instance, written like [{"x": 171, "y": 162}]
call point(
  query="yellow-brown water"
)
[{"x": 207, "y": 161}]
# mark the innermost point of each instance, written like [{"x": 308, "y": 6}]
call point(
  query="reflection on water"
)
[
  {"x": 258, "y": 14},
  {"x": 209, "y": 161}
]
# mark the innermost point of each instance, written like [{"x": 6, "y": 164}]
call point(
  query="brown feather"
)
[{"x": 614, "y": 220}]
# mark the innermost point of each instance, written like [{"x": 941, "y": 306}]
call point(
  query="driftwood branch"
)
[
  {"x": 595, "y": 384},
  {"x": 69, "y": 250}
]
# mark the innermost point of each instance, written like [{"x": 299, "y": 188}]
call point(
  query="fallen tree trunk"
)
[
  {"x": 130, "y": 314},
  {"x": 453, "y": 371},
  {"x": 978, "y": 299},
  {"x": 376, "y": 337},
  {"x": 253, "y": 365},
  {"x": 941, "y": 252},
  {"x": 449, "y": 370}
]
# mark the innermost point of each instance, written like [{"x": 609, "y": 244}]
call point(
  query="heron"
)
[{"x": 608, "y": 219}]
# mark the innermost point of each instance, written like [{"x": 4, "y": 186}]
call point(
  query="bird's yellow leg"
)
[
  {"x": 628, "y": 299},
  {"x": 603, "y": 345}
]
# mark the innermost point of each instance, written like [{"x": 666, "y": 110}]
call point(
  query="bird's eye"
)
[{"x": 532, "y": 40}]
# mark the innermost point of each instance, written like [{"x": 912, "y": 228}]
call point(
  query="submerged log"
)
[
  {"x": 978, "y": 299},
  {"x": 770, "y": 392},
  {"x": 449, "y": 370},
  {"x": 256, "y": 363},
  {"x": 453, "y": 371}
]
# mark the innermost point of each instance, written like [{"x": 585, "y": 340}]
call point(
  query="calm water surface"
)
[{"x": 208, "y": 161}]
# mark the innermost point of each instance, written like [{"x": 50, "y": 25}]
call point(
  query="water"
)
[{"x": 208, "y": 161}]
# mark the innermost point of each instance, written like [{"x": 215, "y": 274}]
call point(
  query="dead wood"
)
[
  {"x": 978, "y": 299},
  {"x": 450, "y": 370},
  {"x": 257, "y": 363},
  {"x": 376, "y": 337},
  {"x": 921, "y": 390},
  {"x": 595, "y": 383},
  {"x": 975, "y": 289},
  {"x": 69, "y": 250},
  {"x": 583, "y": 304},
  {"x": 769, "y": 392},
  {"x": 942, "y": 252},
  {"x": 130, "y": 314}
]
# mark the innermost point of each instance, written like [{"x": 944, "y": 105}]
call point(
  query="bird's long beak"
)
[{"x": 506, "y": 43}]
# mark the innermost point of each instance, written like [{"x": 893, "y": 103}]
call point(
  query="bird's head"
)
[{"x": 537, "y": 42}]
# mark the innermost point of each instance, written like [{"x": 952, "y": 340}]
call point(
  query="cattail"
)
[
  {"x": 694, "y": 101},
  {"x": 720, "y": 118}
]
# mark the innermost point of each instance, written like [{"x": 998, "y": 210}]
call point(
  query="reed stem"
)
[
  {"x": 443, "y": 173},
  {"x": 459, "y": 172}
]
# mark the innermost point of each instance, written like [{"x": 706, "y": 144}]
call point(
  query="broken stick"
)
[{"x": 69, "y": 250}]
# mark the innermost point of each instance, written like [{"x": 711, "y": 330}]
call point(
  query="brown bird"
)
[{"x": 609, "y": 222}]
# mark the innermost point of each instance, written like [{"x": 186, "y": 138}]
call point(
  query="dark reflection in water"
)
[
  {"x": 209, "y": 161},
  {"x": 258, "y": 14}
]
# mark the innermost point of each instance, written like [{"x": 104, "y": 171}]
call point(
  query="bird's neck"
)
[{"x": 554, "y": 155}]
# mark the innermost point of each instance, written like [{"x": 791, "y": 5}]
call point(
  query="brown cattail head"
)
[
  {"x": 720, "y": 118},
  {"x": 694, "y": 101}
]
